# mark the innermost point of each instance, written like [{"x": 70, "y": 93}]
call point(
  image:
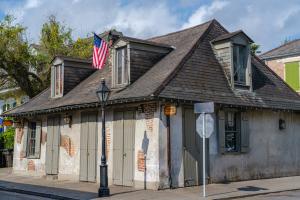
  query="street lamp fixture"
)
[{"x": 103, "y": 94}]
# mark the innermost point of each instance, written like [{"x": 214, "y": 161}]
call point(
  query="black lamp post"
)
[{"x": 103, "y": 93}]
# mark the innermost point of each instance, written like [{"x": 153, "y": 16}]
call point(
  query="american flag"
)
[{"x": 100, "y": 52}]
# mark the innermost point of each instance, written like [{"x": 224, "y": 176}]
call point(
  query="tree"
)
[
  {"x": 16, "y": 59},
  {"x": 254, "y": 48},
  {"x": 17, "y": 62}
]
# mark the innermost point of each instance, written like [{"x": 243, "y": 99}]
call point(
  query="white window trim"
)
[
  {"x": 114, "y": 67},
  {"x": 248, "y": 77},
  {"x": 53, "y": 81}
]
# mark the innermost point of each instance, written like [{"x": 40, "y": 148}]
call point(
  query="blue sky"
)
[{"x": 267, "y": 22}]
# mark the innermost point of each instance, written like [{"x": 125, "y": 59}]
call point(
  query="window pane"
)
[
  {"x": 31, "y": 139},
  {"x": 239, "y": 63},
  {"x": 119, "y": 66},
  {"x": 125, "y": 69},
  {"x": 60, "y": 79},
  {"x": 231, "y": 131}
]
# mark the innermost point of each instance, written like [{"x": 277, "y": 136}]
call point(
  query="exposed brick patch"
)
[
  {"x": 31, "y": 165},
  {"x": 149, "y": 110},
  {"x": 108, "y": 140},
  {"x": 20, "y": 132},
  {"x": 44, "y": 137},
  {"x": 22, "y": 154},
  {"x": 67, "y": 144},
  {"x": 141, "y": 161}
]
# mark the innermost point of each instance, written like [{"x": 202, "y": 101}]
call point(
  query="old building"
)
[
  {"x": 257, "y": 118},
  {"x": 284, "y": 61}
]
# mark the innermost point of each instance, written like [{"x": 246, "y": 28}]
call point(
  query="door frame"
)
[
  {"x": 184, "y": 107},
  {"x": 59, "y": 140},
  {"x": 133, "y": 109}
]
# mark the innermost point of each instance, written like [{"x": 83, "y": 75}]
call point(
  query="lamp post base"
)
[{"x": 103, "y": 190}]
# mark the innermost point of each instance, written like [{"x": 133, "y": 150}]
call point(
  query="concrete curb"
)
[
  {"x": 40, "y": 194},
  {"x": 256, "y": 194}
]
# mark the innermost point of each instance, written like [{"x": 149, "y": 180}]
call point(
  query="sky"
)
[{"x": 267, "y": 22}]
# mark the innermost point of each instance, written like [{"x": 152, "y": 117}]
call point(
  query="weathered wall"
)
[
  {"x": 147, "y": 127},
  {"x": 273, "y": 153},
  {"x": 29, "y": 166}
]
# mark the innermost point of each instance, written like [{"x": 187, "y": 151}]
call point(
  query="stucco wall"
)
[
  {"x": 147, "y": 127},
  {"x": 273, "y": 152}
]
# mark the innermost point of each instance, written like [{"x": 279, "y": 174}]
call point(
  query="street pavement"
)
[
  {"x": 68, "y": 189},
  {"x": 289, "y": 195},
  {"x": 16, "y": 196}
]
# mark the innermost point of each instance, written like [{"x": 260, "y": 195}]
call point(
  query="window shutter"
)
[
  {"x": 24, "y": 142},
  {"x": 37, "y": 151},
  {"x": 221, "y": 129},
  {"x": 244, "y": 132}
]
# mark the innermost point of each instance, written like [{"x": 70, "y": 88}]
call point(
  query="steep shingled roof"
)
[
  {"x": 288, "y": 49},
  {"x": 189, "y": 72}
]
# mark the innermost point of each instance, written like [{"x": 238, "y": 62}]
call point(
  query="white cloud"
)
[
  {"x": 266, "y": 23},
  {"x": 204, "y": 13},
  {"x": 87, "y": 16}
]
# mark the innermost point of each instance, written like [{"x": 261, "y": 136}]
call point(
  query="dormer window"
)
[
  {"x": 240, "y": 59},
  {"x": 233, "y": 53},
  {"x": 121, "y": 71},
  {"x": 57, "y": 81}
]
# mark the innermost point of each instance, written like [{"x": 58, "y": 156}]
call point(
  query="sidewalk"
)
[{"x": 63, "y": 189}]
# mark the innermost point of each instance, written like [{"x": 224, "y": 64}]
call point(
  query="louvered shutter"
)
[
  {"x": 244, "y": 132},
  {"x": 221, "y": 130},
  {"x": 24, "y": 142},
  {"x": 38, "y": 139}
]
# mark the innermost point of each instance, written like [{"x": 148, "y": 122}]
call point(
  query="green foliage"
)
[
  {"x": 8, "y": 138},
  {"x": 254, "y": 48},
  {"x": 16, "y": 59},
  {"x": 82, "y": 48}
]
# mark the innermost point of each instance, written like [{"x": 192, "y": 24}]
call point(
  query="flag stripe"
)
[{"x": 100, "y": 52}]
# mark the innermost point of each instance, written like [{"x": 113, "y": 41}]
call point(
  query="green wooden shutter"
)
[
  {"x": 24, "y": 142},
  {"x": 292, "y": 75},
  {"x": 38, "y": 139},
  {"x": 244, "y": 132},
  {"x": 221, "y": 130}
]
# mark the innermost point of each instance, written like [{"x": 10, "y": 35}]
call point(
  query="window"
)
[
  {"x": 57, "y": 81},
  {"x": 5, "y": 107},
  {"x": 240, "y": 57},
  {"x": 31, "y": 139},
  {"x": 232, "y": 131},
  {"x": 292, "y": 76},
  {"x": 121, "y": 67}
]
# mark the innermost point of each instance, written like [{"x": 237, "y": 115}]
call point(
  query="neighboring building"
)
[
  {"x": 257, "y": 118},
  {"x": 285, "y": 61}
]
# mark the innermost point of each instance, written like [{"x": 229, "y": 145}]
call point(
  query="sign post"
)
[{"x": 204, "y": 129}]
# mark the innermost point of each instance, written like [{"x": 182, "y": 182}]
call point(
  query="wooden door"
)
[
  {"x": 123, "y": 148},
  {"x": 192, "y": 149},
  {"x": 52, "y": 147},
  {"x": 128, "y": 148},
  {"x": 88, "y": 147}
]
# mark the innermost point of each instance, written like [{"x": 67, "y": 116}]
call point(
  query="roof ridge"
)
[
  {"x": 173, "y": 73},
  {"x": 168, "y": 34},
  {"x": 285, "y": 44}
]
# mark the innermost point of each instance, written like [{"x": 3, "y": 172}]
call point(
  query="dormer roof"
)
[{"x": 228, "y": 36}]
